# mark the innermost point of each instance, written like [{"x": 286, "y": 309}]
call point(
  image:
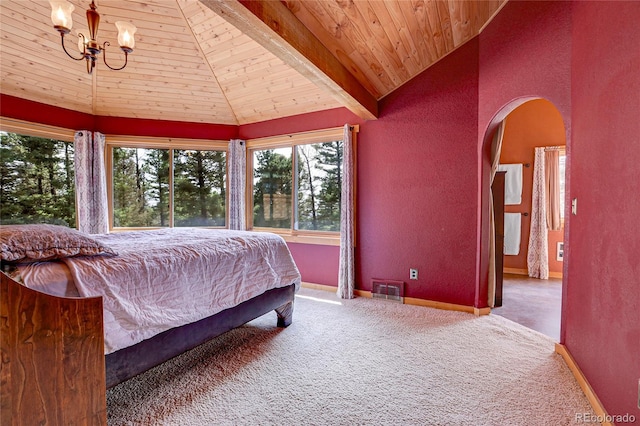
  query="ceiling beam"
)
[{"x": 276, "y": 28}]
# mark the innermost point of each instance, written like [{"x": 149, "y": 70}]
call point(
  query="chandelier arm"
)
[
  {"x": 104, "y": 58},
  {"x": 65, "y": 49}
]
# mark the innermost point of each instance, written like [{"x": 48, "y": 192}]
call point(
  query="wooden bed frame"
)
[{"x": 53, "y": 369}]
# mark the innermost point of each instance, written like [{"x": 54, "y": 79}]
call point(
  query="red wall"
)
[
  {"x": 602, "y": 309},
  {"x": 317, "y": 263},
  {"x": 584, "y": 58},
  {"x": 534, "y": 123},
  {"x": 22, "y": 109},
  {"x": 415, "y": 205},
  {"x": 417, "y": 185},
  {"x": 525, "y": 53},
  {"x": 165, "y": 128},
  {"x": 299, "y": 123}
]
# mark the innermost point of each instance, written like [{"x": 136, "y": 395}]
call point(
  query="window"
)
[
  {"x": 200, "y": 179},
  {"x": 319, "y": 186},
  {"x": 37, "y": 183},
  {"x": 140, "y": 187},
  {"x": 297, "y": 183},
  {"x": 561, "y": 162},
  {"x": 166, "y": 186},
  {"x": 272, "y": 188}
]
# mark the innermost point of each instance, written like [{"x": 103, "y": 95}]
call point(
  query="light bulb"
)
[
  {"x": 61, "y": 13},
  {"x": 126, "y": 32}
]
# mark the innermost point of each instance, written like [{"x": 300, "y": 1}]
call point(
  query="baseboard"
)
[
  {"x": 323, "y": 287},
  {"x": 410, "y": 300},
  {"x": 516, "y": 271},
  {"x": 597, "y": 406},
  {"x": 447, "y": 306},
  {"x": 481, "y": 311}
]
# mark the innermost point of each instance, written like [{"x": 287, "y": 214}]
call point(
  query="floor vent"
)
[{"x": 388, "y": 290}]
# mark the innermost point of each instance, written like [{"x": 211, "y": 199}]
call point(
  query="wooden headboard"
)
[{"x": 52, "y": 369}]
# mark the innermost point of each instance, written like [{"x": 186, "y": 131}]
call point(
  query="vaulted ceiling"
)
[{"x": 234, "y": 62}]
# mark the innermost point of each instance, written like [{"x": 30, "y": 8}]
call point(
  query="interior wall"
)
[
  {"x": 525, "y": 53},
  {"x": 318, "y": 264},
  {"x": 534, "y": 123},
  {"x": 599, "y": 102},
  {"x": 602, "y": 302},
  {"x": 417, "y": 185},
  {"x": 35, "y": 112},
  {"x": 164, "y": 128},
  {"x": 299, "y": 123}
]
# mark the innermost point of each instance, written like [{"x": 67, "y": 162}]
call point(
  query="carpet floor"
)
[{"x": 359, "y": 362}]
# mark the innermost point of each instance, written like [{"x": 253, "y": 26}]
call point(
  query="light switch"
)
[{"x": 574, "y": 206}]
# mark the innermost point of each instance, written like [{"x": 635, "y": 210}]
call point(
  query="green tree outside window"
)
[{"x": 37, "y": 181}]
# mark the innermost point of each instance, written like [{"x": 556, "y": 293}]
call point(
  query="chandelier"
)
[{"x": 89, "y": 48}]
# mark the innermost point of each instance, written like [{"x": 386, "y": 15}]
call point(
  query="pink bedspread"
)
[{"x": 170, "y": 277}]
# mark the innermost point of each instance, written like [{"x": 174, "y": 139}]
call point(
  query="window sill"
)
[
  {"x": 325, "y": 239},
  {"x": 312, "y": 239}
]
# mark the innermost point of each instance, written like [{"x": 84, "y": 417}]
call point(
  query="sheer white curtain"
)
[
  {"x": 496, "y": 148},
  {"x": 237, "y": 183},
  {"x": 538, "y": 251},
  {"x": 552, "y": 184},
  {"x": 91, "y": 183},
  {"x": 346, "y": 272}
]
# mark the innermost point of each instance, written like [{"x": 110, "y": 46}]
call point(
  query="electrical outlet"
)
[{"x": 413, "y": 274}]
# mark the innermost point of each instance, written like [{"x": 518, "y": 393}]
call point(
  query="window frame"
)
[
  {"x": 171, "y": 144},
  {"x": 331, "y": 238},
  {"x": 27, "y": 128}
]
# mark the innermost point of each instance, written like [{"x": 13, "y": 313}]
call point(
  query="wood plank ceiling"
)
[{"x": 231, "y": 62}]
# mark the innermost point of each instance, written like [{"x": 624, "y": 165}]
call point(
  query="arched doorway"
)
[{"x": 535, "y": 303}]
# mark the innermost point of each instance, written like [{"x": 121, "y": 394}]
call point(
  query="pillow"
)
[{"x": 31, "y": 243}]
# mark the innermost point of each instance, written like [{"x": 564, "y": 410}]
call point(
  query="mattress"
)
[{"x": 165, "y": 278}]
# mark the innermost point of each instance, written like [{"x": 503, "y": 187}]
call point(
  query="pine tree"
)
[
  {"x": 329, "y": 158},
  {"x": 307, "y": 202},
  {"x": 156, "y": 186},
  {"x": 199, "y": 188},
  {"x": 128, "y": 201},
  {"x": 272, "y": 191},
  {"x": 36, "y": 180}
]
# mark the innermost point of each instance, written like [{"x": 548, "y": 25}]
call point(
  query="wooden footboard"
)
[{"x": 52, "y": 369}]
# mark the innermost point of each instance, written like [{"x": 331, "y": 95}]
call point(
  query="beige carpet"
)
[{"x": 359, "y": 362}]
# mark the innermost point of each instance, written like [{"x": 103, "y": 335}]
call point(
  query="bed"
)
[{"x": 80, "y": 313}]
